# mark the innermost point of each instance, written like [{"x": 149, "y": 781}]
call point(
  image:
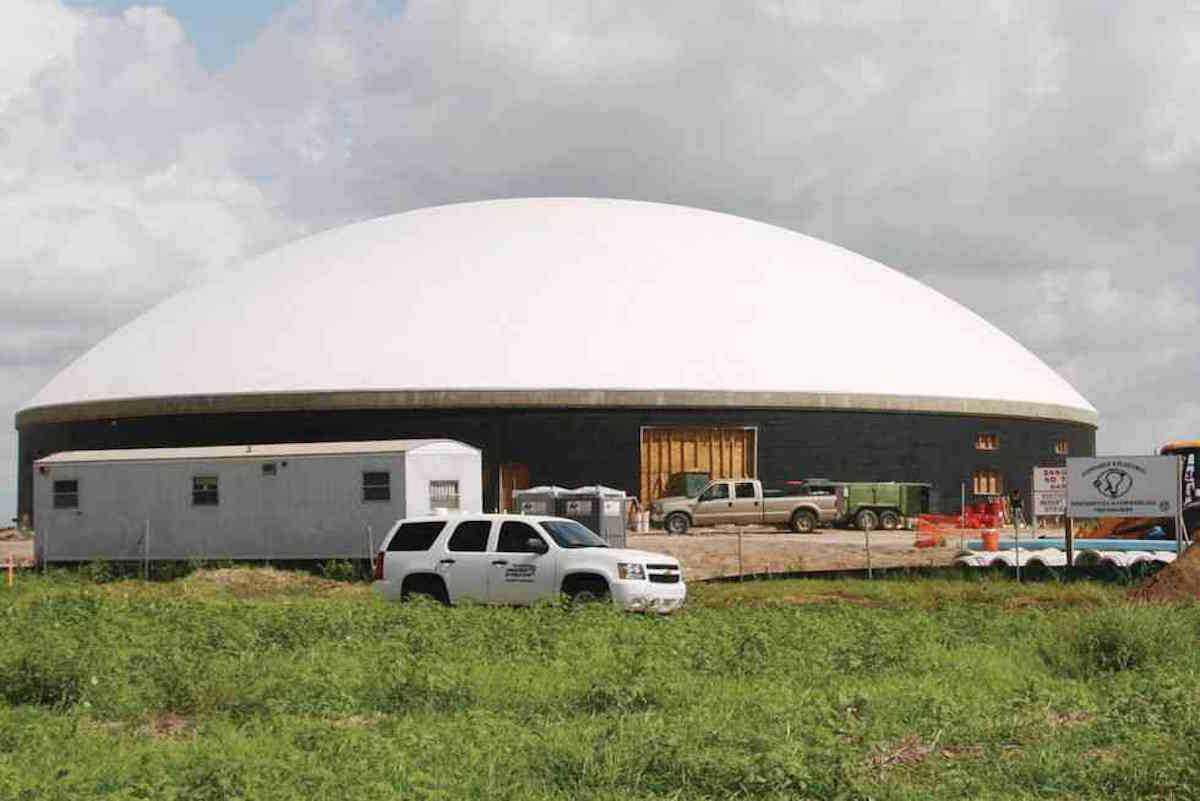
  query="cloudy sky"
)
[{"x": 1038, "y": 161}]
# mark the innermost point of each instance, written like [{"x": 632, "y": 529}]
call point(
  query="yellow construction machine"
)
[{"x": 1189, "y": 452}]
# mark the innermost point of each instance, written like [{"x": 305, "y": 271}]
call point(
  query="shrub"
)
[
  {"x": 44, "y": 678},
  {"x": 171, "y": 570},
  {"x": 413, "y": 688},
  {"x": 98, "y": 572},
  {"x": 1108, "y": 641},
  {"x": 339, "y": 570},
  {"x": 612, "y": 696}
]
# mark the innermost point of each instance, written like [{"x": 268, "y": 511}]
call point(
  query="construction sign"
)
[{"x": 1123, "y": 486}]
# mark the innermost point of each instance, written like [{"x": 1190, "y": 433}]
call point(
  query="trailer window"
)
[
  {"x": 66, "y": 494},
  {"x": 377, "y": 486},
  {"x": 205, "y": 491},
  {"x": 443, "y": 494},
  {"x": 416, "y": 536},
  {"x": 268, "y": 468},
  {"x": 744, "y": 489}
]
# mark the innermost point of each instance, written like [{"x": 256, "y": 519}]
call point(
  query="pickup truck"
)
[
  {"x": 520, "y": 559},
  {"x": 742, "y": 501}
]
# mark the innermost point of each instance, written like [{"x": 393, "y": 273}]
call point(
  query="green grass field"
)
[{"x": 252, "y": 684}]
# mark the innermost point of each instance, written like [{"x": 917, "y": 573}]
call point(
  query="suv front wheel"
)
[{"x": 585, "y": 589}]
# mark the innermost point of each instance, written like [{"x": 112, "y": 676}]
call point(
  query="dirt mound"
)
[
  {"x": 246, "y": 582},
  {"x": 1178, "y": 581}
]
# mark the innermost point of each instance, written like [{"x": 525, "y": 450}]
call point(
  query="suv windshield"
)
[{"x": 569, "y": 534}]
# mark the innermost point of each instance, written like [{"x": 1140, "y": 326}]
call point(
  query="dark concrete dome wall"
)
[{"x": 588, "y": 446}]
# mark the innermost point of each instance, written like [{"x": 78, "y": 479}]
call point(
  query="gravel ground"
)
[{"x": 711, "y": 552}]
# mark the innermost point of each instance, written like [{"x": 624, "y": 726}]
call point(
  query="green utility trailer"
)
[{"x": 882, "y": 504}]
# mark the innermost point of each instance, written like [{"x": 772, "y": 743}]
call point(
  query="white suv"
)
[{"x": 519, "y": 559}]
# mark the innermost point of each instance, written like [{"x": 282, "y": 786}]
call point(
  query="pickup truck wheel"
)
[
  {"x": 889, "y": 520},
  {"x": 866, "y": 518},
  {"x": 677, "y": 523},
  {"x": 804, "y": 522}
]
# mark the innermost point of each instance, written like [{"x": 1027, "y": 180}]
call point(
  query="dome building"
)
[{"x": 578, "y": 341}]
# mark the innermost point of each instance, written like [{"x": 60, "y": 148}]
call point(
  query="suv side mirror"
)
[{"x": 536, "y": 545}]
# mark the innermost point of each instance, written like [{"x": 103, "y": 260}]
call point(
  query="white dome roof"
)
[{"x": 568, "y": 294}]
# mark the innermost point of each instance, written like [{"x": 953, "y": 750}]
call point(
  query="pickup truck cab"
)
[
  {"x": 520, "y": 559},
  {"x": 742, "y": 501}
]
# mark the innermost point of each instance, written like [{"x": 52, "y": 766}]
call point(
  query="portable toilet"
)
[
  {"x": 537, "y": 500},
  {"x": 601, "y": 509}
]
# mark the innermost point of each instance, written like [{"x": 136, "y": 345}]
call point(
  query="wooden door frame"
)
[
  {"x": 642, "y": 438},
  {"x": 500, "y": 500}
]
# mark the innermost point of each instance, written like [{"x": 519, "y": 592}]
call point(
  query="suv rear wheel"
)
[
  {"x": 889, "y": 520},
  {"x": 427, "y": 585},
  {"x": 804, "y": 522}
]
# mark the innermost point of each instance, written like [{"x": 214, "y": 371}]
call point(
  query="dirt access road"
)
[{"x": 712, "y": 552}]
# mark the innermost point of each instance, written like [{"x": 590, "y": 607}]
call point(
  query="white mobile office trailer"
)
[{"x": 327, "y": 500}]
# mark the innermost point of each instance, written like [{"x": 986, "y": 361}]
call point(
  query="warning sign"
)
[
  {"x": 1049, "y": 491},
  {"x": 1049, "y": 479}
]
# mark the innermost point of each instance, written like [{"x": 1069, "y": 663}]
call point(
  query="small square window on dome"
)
[
  {"x": 987, "y": 482},
  {"x": 987, "y": 442}
]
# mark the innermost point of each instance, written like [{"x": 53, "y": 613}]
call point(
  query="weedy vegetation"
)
[{"x": 240, "y": 683}]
